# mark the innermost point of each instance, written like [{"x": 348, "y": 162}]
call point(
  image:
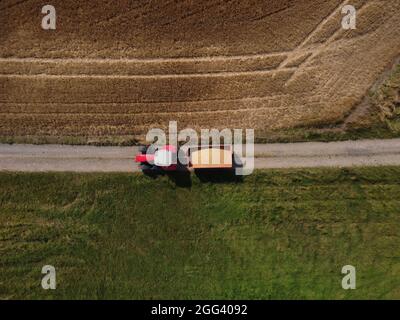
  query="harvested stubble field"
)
[{"x": 118, "y": 69}]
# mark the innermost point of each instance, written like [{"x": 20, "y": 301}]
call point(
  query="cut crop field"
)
[
  {"x": 119, "y": 69},
  {"x": 282, "y": 234}
]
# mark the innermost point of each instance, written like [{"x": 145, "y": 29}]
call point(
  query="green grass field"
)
[{"x": 275, "y": 235}]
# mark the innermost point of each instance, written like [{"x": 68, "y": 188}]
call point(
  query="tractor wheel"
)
[
  {"x": 145, "y": 167},
  {"x": 150, "y": 170},
  {"x": 156, "y": 170},
  {"x": 143, "y": 149}
]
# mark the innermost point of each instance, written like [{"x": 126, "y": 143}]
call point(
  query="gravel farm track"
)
[
  {"x": 64, "y": 158},
  {"x": 117, "y": 70}
]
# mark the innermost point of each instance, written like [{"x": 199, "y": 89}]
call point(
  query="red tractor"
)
[{"x": 163, "y": 159}]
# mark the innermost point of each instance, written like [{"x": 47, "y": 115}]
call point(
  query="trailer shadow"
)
[
  {"x": 218, "y": 175},
  {"x": 181, "y": 178}
]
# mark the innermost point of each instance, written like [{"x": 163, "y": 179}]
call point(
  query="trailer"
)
[{"x": 211, "y": 157}]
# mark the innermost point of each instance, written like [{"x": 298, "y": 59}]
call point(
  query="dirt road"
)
[{"x": 32, "y": 158}]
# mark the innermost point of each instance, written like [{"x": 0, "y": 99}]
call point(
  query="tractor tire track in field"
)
[
  {"x": 43, "y": 158},
  {"x": 312, "y": 33},
  {"x": 152, "y": 76}
]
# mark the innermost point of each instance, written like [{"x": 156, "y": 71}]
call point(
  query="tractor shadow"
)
[{"x": 181, "y": 178}]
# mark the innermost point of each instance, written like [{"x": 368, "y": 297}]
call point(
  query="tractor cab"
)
[{"x": 164, "y": 159}]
